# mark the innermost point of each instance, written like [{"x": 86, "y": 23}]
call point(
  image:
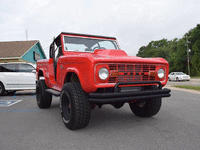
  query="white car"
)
[
  {"x": 17, "y": 76},
  {"x": 178, "y": 76}
]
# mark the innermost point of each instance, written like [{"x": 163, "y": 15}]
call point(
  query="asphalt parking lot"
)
[{"x": 177, "y": 125}]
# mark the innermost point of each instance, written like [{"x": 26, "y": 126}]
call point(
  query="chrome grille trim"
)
[{"x": 131, "y": 72}]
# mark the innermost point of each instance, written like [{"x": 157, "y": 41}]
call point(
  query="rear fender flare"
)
[{"x": 43, "y": 75}]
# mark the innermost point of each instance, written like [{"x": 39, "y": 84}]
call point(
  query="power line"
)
[{"x": 47, "y": 41}]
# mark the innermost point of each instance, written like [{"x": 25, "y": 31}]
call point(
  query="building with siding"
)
[{"x": 21, "y": 51}]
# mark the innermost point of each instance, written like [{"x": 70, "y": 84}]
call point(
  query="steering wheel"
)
[{"x": 97, "y": 47}]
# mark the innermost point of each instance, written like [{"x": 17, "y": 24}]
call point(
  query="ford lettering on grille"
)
[{"x": 131, "y": 72}]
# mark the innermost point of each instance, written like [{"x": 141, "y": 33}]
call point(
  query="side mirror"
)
[{"x": 33, "y": 71}]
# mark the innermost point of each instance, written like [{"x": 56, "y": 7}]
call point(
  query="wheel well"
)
[
  {"x": 1, "y": 82},
  {"x": 2, "y": 90},
  {"x": 40, "y": 74},
  {"x": 71, "y": 77}
]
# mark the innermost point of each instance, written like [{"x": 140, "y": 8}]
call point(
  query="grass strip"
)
[{"x": 188, "y": 87}]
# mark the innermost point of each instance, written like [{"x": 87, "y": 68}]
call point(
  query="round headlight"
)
[
  {"x": 103, "y": 73},
  {"x": 161, "y": 73}
]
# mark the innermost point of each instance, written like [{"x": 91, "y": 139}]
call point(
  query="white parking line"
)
[{"x": 7, "y": 103}]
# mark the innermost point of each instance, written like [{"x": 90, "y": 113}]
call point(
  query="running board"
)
[{"x": 53, "y": 92}]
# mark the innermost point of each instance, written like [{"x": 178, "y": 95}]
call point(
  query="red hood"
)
[
  {"x": 121, "y": 56},
  {"x": 101, "y": 52}
]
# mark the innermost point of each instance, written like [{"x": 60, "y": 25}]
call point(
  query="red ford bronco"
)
[{"x": 89, "y": 70}]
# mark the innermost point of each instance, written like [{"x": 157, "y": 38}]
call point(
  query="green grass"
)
[
  {"x": 188, "y": 87},
  {"x": 195, "y": 77}
]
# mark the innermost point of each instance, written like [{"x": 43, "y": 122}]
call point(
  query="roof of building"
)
[{"x": 15, "y": 48}]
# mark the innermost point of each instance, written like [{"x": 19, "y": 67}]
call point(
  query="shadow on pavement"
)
[{"x": 20, "y": 93}]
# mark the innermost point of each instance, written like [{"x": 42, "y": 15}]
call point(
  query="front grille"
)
[
  {"x": 131, "y": 72},
  {"x": 185, "y": 77}
]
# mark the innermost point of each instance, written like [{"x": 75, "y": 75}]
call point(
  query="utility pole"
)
[{"x": 188, "y": 58}]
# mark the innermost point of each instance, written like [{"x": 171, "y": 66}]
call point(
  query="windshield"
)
[
  {"x": 180, "y": 73},
  {"x": 87, "y": 44}
]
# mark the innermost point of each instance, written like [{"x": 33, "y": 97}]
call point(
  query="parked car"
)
[
  {"x": 178, "y": 76},
  {"x": 17, "y": 76}
]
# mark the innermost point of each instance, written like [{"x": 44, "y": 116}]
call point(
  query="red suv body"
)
[{"x": 96, "y": 67}]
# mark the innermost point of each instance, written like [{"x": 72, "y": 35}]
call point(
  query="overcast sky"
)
[{"x": 133, "y": 22}]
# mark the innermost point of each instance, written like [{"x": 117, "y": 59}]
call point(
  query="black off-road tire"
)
[
  {"x": 146, "y": 108},
  {"x": 2, "y": 89},
  {"x": 74, "y": 106},
  {"x": 43, "y": 98}
]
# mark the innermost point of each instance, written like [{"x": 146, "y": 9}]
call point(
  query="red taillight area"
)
[{"x": 36, "y": 76}]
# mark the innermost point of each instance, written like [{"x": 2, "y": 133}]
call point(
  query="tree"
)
[
  {"x": 175, "y": 51},
  {"x": 195, "y": 70},
  {"x": 181, "y": 56}
]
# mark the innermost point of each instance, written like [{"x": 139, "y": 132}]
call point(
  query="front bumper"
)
[
  {"x": 109, "y": 98},
  {"x": 184, "y": 79}
]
